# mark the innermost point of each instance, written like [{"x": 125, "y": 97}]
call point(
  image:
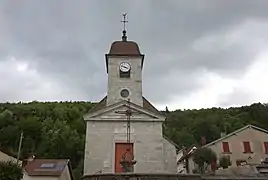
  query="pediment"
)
[{"x": 116, "y": 112}]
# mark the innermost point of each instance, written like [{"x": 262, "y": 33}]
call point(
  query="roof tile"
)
[{"x": 124, "y": 48}]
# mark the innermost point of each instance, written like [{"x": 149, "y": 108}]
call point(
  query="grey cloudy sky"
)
[{"x": 199, "y": 53}]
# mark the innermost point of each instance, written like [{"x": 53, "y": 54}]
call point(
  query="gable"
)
[
  {"x": 116, "y": 111},
  {"x": 239, "y": 132},
  {"x": 146, "y": 105},
  {"x": 235, "y": 142}
]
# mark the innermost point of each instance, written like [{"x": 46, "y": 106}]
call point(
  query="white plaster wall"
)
[
  {"x": 180, "y": 165},
  {"x": 191, "y": 164},
  {"x": 256, "y": 139}
]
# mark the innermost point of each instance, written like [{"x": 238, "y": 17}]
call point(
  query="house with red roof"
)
[{"x": 48, "y": 169}]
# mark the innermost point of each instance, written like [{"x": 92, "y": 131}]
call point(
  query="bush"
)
[
  {"x": 225, "y": 161},
  {"x": 204, "y": 157},
  {"x": 10, "y": 170}
]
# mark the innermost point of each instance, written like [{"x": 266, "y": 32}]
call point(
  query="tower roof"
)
[{"x": 124, "y": 48}]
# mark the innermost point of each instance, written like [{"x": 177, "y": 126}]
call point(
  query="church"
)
[{"x": 124, "y": 126}]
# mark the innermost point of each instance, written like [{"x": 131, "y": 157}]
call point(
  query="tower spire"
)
[{"x": 124, "y": 37}]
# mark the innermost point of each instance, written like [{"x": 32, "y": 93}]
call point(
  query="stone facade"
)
[
  {"x": 116, "y": 84},
  {"x": 155, "y": 176},
  {"x": 152, "y": 151},
  {"x": 105, "y": 127}
]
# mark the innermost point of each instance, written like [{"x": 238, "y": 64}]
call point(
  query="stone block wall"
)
[
  {"x": 141, "y": 177},
  {"x": 148, "y": 176}
]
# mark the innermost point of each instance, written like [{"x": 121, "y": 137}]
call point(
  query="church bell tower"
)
[
  {"x": 124, "y": 64},
  {"x": 124, "y": 130}
]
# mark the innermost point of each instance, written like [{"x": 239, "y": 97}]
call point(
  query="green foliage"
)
[
  {"x": 204, "y": 157},
  {"x": 57, "y": 129},
  {"x": 10, "y": 171},
  {"x": 188, "y": 126},
  {"x": 224, "y": 162},
  {"x": 51, "y": 130}
]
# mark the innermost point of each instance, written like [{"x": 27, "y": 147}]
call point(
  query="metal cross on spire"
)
[
  {"x": 124, "y": 37},
  {"x": 124, "y": 21}
]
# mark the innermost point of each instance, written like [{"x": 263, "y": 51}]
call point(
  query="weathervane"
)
[
  {"x": 124, "y": 37},
  {"x": 124, "y": 21}
]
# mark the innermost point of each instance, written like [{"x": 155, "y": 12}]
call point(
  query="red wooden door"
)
[{"x": 120, "y": 149}]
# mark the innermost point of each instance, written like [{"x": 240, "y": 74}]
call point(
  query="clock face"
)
[{"x": 124, "y": 67}]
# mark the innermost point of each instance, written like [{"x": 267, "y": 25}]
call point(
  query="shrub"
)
[
  {"x": 225, "y": 161},
  {"x": 204, "y": 157},
  {"x": 10, "y": 170}
]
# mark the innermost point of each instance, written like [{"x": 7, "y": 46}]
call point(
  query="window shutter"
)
[
  {"x": 266, "y": 147},
  {"x": 247, "y": 148},
  {"x": 225, "y": 147}
]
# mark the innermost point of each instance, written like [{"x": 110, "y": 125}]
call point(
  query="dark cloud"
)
[{"x": 66, "y": 40}]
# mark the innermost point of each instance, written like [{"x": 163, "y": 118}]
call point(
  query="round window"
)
[{"x": 124, "y": 93}]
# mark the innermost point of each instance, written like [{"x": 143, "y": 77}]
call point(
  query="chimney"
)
[{"x": 203, "y": 141}]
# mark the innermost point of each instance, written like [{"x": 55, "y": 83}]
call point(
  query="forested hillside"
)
[
  {"x": 187, "y": 127},
  {"x": 57, "y": 129},
  {"x": 51, "y": 130}
]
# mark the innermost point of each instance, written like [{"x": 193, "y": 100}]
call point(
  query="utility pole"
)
[{"x": 20, "y": 143}]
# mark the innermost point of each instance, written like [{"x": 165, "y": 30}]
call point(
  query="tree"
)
[
  {"x": 203, "y": 157},
  {"x": 184, "y": 138},
  {"x": 10, "y": 171},
  {"x": 49, "y": 127},
  {"x": 205, "y": 127},
  {"x": 224, "y": 162}
]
